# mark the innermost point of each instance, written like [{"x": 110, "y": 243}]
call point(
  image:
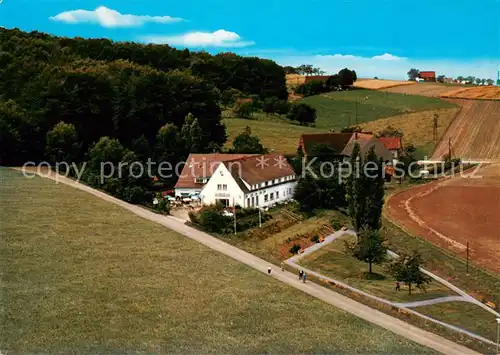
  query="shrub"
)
[
  {"x": 295, "y": 249},
  {"x": 315, "y": 239}
]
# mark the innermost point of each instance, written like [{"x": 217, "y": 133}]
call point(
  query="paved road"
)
[
  {"x": 358, "y": 309},
  {"x": 432, "y": 301}
]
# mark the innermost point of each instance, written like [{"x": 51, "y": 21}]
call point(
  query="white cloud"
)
[
  {"x": 387, "y": 56},
  {"x": 110, "y": 18},
  {"x": 388, "y": 66},
  {"x": 220, "y": 38}
]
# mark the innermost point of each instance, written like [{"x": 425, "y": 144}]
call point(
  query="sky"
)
[{"x": 383, "y": 38}]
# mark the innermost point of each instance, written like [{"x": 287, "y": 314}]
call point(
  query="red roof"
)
[
  {"x": 391, "y": 143},
  {"x": 257, "y": 169},
  {"x": 202, "y": 166},
  {"x": 427, "y": 74}
]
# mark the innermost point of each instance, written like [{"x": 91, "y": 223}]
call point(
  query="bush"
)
[
  {"x": 163, "y": 205},
  {"x": 295, "y": 249},
  {"x": 210, "y": 219},
  {"x": 336, "y": 225},
  {"x": 315, "y": 239}
]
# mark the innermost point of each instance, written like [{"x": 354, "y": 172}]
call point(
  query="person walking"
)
[
  {"x": 304, "y": 277},
  {"x": 398, "y": 286},
  {"x": 301, "y": 273},
  {"x": 269, "y": 270},
  {"x": 282, "y": 266}
]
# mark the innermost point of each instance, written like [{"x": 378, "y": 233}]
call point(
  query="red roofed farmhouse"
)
[
  {"x": 393, "y": 144},
  {"x": 427, "y": 75},
  {"x": 247, "y": 180}
]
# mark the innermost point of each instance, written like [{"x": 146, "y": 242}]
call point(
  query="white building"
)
[{"x": 244, "y": 180}]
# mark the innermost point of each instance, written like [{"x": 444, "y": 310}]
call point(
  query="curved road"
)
[{"x": 392, "y": 324}]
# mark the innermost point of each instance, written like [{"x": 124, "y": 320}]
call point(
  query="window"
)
[
  {"x": 272, "y": 196},
  {"x": 248, "y": 202},
  {"x": 219, "y": 187},
  {"x": 276, "y": 181},
  {"x": 265, "y": 198},
  {"x": 290, "y": 191},
  {"x": 224, "y": 187}
]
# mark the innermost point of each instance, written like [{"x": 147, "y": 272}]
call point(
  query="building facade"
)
[
  {"x": 245, "y": 180},
  {"x": 225, "y": 188}
]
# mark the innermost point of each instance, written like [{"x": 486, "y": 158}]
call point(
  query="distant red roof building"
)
[{"x": 428, "y": 75}]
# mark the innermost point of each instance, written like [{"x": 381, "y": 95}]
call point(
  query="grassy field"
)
[
  {"x": 464, "y": 315},
  {"x": 417, "y": 128},
  {"x": 80, "y": 275},
  {"x": 278, "y": 135},
  {"x": 336, "y": 110},
  {"x": 333, "y": 261}
]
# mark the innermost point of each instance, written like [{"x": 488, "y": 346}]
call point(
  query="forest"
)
[{"x": 65, "y": 98}]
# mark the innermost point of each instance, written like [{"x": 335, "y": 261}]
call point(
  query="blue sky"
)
[{"x": 375, "y": 37}]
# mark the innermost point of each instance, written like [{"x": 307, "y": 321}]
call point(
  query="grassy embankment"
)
[{"x": 80, "y": 275}]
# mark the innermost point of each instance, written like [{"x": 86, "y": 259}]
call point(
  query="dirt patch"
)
[
  {"x": 452, "y": 212},
  {"x": 303, "y": 241}
]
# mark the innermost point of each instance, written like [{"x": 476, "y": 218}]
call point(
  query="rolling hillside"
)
[
  {"x": 336, "y": 110},
  {"x": 475, "y": 132}
]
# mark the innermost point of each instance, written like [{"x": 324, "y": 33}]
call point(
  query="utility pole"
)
[
  {"x": 467, "y": 267},
  {"x": 356, "y": 122},
  {"x": 234, "y": 212},
  {"x": 435, "y": 127}
]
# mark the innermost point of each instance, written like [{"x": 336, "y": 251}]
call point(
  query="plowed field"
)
[
  {"x": 423, "y": 89},
  {"x": 375, "y": 84},
  {"x": 476, "y": 92},
  {"x": 474, "y": 133},
  {"x": 452, "y": 212}
]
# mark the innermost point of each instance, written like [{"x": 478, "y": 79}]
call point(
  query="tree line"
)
[
  {"x": 340, "y": 81},
  {"x": 90, "y": 100},
  {"x": 414, "y": 73}
]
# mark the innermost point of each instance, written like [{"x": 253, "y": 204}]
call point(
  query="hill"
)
[
  {"x": 336, "y": 110},
  {"x": 91, "y": 277},
  {"x": 417, "y": 128},
  {"x": 277, "y": 135},
  {"x": 475, "y": 132}
]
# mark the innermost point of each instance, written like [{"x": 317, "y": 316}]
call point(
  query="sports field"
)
[{"x": 82, "y": 276}]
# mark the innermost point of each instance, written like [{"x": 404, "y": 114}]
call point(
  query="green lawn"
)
[
  {"x": 336, "y": 110},
  {"x": 81, "y": 276},
  {"x": 278, "y": 135},
  {"x": 332, "y": 260},
  {"x": 464, "y": 315}
]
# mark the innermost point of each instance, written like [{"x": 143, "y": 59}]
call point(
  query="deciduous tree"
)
[
  {"x": 62, "y": 144},
  {"x": 302, "y": 113},
  {"x": 406, "y": 269},
  {"x": 413, "y": 74},
  {"x": 246, "y": 143},
  {"x": 370, "y": 248}
]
